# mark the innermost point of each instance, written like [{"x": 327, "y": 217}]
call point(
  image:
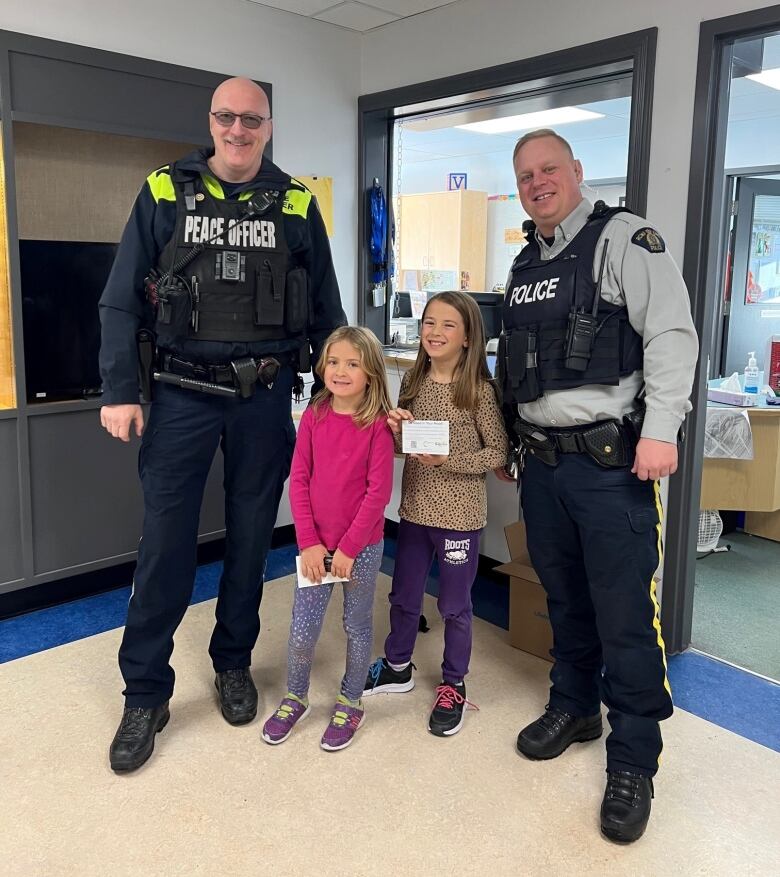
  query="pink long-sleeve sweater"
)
[{"x": 341, "y": 481}]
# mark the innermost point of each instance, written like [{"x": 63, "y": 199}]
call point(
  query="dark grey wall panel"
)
[
  {"x": 53, "y": 87},
  {"x": 10, "y": 526},
  {"x": 86, "y": 497}
]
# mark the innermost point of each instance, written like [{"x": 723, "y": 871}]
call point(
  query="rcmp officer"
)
[
  {"x": 597, "y": 358},
  {"x": 224, "y": 273}
]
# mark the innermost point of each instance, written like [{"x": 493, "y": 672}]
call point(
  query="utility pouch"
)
[
  {"x": 245, "y": 372},
  {"x": 145, "y": 344},
  {"x": 296, "y": 305},
  {"x": 580, "y": 335},
  {"x": 304, "y": 358},
  {"x": 174, "y": 307},
  {"x": 519, "y": 366},
  {"x": 606, "y": 443},
  {"x": 536, "y": 442},
  {"x": 269, "y": 296}
]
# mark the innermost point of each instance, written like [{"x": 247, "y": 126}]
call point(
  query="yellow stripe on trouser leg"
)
[{"x": 656, "y": 607}]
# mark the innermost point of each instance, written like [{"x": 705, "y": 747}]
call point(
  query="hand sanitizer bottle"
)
[{"x": 751, "y": 374}]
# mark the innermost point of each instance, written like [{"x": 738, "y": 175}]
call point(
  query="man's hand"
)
[
  {"x": 117, "y": 419},
  {"x": 395, "y": 417},
  {"x": 312, "y": 562},
  {"x": 341, "y": 565},
  {"x": 654, "y": 459}
]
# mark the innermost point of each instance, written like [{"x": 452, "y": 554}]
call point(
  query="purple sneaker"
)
[
  {"x": 344, "y": 721},
  {"x": 279, "y": 726}
]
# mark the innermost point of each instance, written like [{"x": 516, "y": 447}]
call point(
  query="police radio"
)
[{"x": 583, "y": 327}]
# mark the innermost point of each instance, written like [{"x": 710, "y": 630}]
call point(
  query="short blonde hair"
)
[
  {"x": 537, "y": 135},
  {"x": 377, "y": 399}
]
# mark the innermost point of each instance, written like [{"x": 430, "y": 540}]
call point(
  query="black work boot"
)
[
  {"x": 237, "y": 695},
  {"x": 133, "y": 742},
  {"x": 555, "y": 731},
  {"x": 626, "y": 806}
]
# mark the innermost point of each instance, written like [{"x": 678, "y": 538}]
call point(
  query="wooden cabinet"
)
[{"x": 444, "y": 231}]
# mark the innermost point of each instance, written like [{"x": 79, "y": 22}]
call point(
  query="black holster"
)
[{"x": 145, "y": 343}]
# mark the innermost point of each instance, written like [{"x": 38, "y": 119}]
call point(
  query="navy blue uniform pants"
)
[
  {"x": 177, "y": 449},
  {"x": 594, "y": 538}
]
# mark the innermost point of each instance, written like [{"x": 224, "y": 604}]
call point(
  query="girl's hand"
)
[
  {"x": 503, "y": 475},
  {"x": 312, "y": 562},
  {"x": 430, "y": 459},
  {"x": 341, "y": 565},
  {"x": 395, "y": 417}
]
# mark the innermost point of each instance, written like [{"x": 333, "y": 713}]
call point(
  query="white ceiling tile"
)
[
  {"x": 408, "y": 7},
  {"x": 302, "y": 7},
  {"x": 357, "y": 16}
]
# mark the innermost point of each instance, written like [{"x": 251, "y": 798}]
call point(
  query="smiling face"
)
[
  {"x": 344, "y": 376},
  {"x": 548, "y": 182},
  {"x": 238, "y": 151},
  {"x": 443, "y": 334}
]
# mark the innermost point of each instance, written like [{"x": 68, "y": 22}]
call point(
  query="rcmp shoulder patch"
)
[{"x": 649, "y": 239}]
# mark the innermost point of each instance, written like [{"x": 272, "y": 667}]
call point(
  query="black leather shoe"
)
[
  {"x": 554, "y": 732},
  {"x": 133, "y": 742},
  {"x": 626, "y": 806},
  {"x": 237, "y": 695}
]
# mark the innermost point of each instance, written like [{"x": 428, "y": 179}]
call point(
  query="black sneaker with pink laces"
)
[{"x": 449, "y": 709}]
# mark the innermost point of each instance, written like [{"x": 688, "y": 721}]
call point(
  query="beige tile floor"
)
[{"x": 216, "y": 800}]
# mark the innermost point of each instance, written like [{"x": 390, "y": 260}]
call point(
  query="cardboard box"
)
[{"x": 529, "y": 622}]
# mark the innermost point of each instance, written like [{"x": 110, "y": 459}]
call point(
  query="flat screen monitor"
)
[
  {"x": 490, "y": 306},
  {"x": 62, "y": 282}
]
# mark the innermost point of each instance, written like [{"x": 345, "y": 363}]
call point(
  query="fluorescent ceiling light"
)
[
  {"x": 767, "y": 77},
  {"x": 542, "y": 119}
]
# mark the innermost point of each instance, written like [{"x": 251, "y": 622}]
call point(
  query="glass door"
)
[{"x": 754, "y": 311}]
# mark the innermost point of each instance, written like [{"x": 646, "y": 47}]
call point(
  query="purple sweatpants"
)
[{"x": 458, "y": 555}]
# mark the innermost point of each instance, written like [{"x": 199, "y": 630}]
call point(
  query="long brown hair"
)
[
  {"x": 376, "y": 402},
  {"x": 470, "y": 370}
]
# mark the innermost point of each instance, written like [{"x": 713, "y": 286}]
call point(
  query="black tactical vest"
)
[
  {"x": 538, "y": 301},
  {"x": 236, "y": 281}
]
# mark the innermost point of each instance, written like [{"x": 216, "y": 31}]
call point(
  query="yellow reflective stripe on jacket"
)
[
  {"x": 296, "y": 202},
  {"x": 213, "y": 186},
  {"x": 161, "y": 185}
]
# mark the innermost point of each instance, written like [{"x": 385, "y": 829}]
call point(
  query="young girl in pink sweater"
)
[{"x": 340, "y": 483}]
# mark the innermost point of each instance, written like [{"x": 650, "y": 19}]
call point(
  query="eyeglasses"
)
[{"x": 248, "y": 120}]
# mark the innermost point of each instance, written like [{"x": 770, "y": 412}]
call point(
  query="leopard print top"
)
[{"x": 453, "y": 496}]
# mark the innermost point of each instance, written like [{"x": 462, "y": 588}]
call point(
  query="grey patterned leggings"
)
[{"x": 309, "y": 612}]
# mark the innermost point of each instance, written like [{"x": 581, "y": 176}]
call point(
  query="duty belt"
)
[
  {"x": 235, "y": 378},
  {"x": 610, "y": 443}
]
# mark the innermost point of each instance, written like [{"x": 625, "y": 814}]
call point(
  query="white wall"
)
[
  {"x": 313, "y": 66},
  {"x": 473, "y": 34}
]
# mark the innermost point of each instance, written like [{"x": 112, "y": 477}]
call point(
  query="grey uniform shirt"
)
[{"x": 652, "y": 288}]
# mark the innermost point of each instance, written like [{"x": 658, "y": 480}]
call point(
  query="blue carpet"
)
[
  {"x": 728, "y": 697},
  {"x": 47, "y": 628}
]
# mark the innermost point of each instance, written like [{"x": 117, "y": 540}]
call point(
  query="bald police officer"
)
[
  {"x": 239, "y": 284},
  {"x": 597, "y": 359}
]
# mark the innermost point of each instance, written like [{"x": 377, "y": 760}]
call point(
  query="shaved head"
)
[
  {"x": 241, "y": 89},
  {"x": 238, "y": 150}
]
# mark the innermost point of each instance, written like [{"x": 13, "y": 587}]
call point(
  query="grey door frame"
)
[{"x": 703, "y": 238}]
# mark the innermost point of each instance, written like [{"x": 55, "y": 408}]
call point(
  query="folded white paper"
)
[
  {"x": 425, "y": 437},
  {"x": 303, "y": 582}
]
